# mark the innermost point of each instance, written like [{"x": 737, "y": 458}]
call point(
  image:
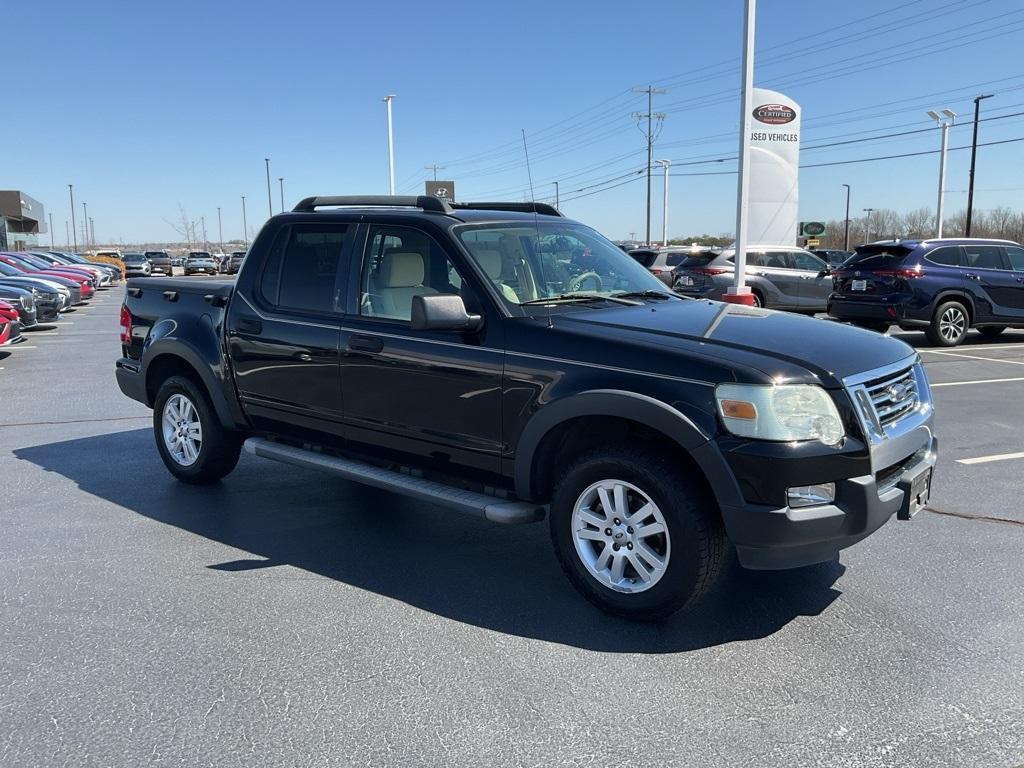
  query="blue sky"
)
[{"x": 145, "y": 106}]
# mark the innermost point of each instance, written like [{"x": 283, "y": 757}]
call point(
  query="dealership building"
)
[{"x": 22, "y": 220}]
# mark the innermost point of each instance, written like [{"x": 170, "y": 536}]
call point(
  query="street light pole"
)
[
  {"x": 944, "y": 125},
  {"x": 52, "y": 246},
  {"x": 220, "y": 231},
  {"x": 270, "y": 204},
  {"x": 867, "y": 224},
  {"x": 664, "y": 203},
  {"x": 74, "y": 234},
  {"x": 556, "y": 196},
  {"x": 85, "y": 224},
  {"x": 391, "y": 147},
  {"x": 67, "y": 235},
  {"x": 738, "y": 293},
  {"x": 206, "y": 243},
  {"x": 245, "y": 225},
  {"x": 974, "y": 155},
  {"x": 846, "y": 221},
  {"x": 280, "y": 181},
  {"x": 92, "y": 232}
]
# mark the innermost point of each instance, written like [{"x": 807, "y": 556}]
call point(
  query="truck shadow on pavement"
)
[{"x": 468, "y": 570}]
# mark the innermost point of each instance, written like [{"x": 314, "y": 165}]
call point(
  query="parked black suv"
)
[
  {"x": 500, "y": 360},
  {"x": 943, "y": 287}
]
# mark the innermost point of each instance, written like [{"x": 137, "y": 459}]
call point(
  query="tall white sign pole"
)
[
  {"x": 739, "y": 293},
  {"x": 942, "y": 180},
  {"x": 391, "y": 148}
]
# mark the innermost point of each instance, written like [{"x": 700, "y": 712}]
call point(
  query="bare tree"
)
[
  {"x": 918, "y": 223},
  {"x": 184, "y": 226},
  {"x": 998, "y": 222},
  {"x": 956, "y": 224}
]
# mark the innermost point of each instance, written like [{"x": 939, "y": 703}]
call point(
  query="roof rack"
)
[
  {"x": 541, "y": 208},
  {"x": 426, "y": 202}
]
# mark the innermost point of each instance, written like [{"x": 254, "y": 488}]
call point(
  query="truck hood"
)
[{"x": 775, "y": 342}]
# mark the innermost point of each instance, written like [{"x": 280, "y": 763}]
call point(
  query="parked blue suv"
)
[{"x": 943, "y": 287}]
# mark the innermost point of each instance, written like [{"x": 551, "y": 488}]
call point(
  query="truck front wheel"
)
[
  {"x": 634, "y": 534},
  {"x": 192, "y": 442}
]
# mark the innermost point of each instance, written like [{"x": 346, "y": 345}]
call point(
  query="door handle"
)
[
  {"x": 365, "y": 344},
  {"x": 249, "y": 325},
  {"x": 972, "y": 276},
  {"x": 1020, "y": 279},
  {"x": 305, "y": 357}
]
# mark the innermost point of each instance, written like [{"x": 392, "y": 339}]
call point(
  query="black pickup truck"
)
[{"x": 501, "y": 360}]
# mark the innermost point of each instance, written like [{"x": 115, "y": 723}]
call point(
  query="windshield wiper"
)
[
  {"x": 577, "y": 297},
  {"x": 646, "y": 294}
]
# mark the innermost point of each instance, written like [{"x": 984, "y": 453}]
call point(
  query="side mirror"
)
[
  {"x": 825, "y": 272},
  {"x": 443, "y": 312}
]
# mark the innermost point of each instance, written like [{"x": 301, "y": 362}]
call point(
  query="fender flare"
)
[
  {"x": 955, "y": 293},
  {"x": 643, "y": 409},
  {"x": 174, "y": 346}
]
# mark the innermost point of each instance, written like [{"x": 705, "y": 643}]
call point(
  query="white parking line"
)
[
  {"x": 978, "y": 381},
  {"x": 995, "y": 457},
  {"x": 975, "y": 357}
]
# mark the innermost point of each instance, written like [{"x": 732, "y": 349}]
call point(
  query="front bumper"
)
[{"x": 772, "y": 538}]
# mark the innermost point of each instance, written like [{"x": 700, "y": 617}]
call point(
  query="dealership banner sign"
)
[{"x": 774, "y": 195}]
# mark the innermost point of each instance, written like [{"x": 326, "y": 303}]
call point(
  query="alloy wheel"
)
[
  {"x": 621, "y": 536},
  {"x": 952, "y": 324},
  {"x": 182, "y": 430}
]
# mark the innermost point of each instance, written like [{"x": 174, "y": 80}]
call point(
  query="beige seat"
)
[
  {"x": 399, "y": 277},
  {"x": 490, "y": 261}
]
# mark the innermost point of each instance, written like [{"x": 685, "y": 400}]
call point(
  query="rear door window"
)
[
  {"x": 984, "y": 257},
  {"x": 947, "y": 256},
  {"x": 301, "y": 271},
  {"x": 807, "y": 262},
  {"x": 1016, "y": 256}
]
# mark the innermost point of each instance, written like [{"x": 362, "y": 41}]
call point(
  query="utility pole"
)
[
  {"x": 944, "y": 125},
  {"x": 270, "y": 204},
  {"x": 74, "y": 234},
  {"x": 664, "y": 212},
  {"x": 651, "y": 116},
  {"x": 974, "y": 155},
  {"x": 556, "y": 195},
  {"x": 391, "y": 147},
  {"x": 739, "y": 293},
  {"x": 632, "y": 236},
  {"x": 52, "y": 247},
  {"x": 846, "y": 221},
  {"x": 220, "y": 231},
  {"x": 245, "y": 225},
  {"x": 435, "y": 168},
  {"x": 280, "y": 181},
  {"x": 867, "y": 224}
]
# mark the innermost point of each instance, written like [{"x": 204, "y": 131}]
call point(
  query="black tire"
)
[
  {"x": 991, "y": 331},
  {"x": 949, "y": 324},
  {"x": 758, "y": 299},
  {"x": 219, "y": 448},
  {"x": 693, "y": 521}
]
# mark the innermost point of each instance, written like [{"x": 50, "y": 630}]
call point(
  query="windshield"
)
[
  {"x": 528, "y": 261},
  {"x": 155, "y": 254},
  {"x": 878, "y": 256},
  {"x": 132, "y": 258},
  {"x": 199, "y": 255}
]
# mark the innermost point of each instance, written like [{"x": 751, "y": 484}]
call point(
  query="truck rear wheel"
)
[
  {"x": 634, "y": 534},
  {"x": 193, "y": 444}
]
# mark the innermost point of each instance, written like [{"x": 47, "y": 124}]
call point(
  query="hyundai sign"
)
[{"x": 442, "y": 189}]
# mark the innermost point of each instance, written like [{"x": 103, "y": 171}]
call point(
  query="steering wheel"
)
[{"x": 577, "y": 282}]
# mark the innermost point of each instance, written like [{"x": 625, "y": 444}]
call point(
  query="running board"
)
[{"x": 469, "y": 502}]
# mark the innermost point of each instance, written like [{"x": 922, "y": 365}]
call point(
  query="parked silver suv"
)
[{"x": 779, "y": 276}]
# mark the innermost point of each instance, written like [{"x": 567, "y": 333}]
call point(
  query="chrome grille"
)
[{"x": 893, "y": 397}]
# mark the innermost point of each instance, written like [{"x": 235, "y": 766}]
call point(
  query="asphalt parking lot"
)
[{"x": 284, "y": 617}]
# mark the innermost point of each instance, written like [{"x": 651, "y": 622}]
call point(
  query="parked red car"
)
[
  {"x": 10, "y": 329},
  {"x": 84, "y": 281}
]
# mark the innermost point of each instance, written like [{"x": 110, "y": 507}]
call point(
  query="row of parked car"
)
[
  {"x": 943, "y": 287},
  {"x": 196, "y": 263},
  {"x": 37, "y": 286}
]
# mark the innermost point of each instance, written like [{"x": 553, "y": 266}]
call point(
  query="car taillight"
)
[
  {"x": 656, "y": 270},
  {"x": 126, "y": 325},
  {"x": 707, "y": 271},
  {"x": 902, "y": 272}
]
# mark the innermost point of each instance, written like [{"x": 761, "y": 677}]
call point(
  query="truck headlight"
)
[{"x": 784, "y": 412}]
